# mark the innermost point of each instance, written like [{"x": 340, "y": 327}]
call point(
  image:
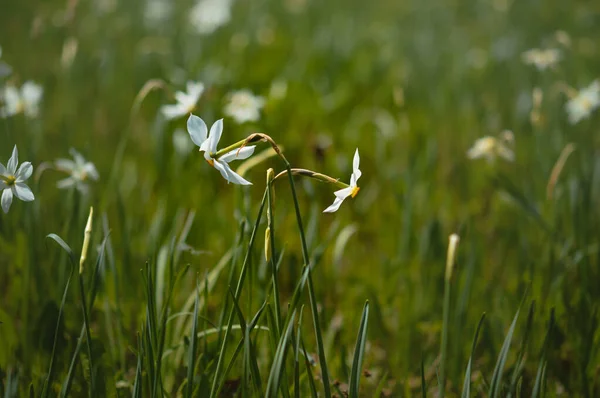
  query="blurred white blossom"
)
[
  {"x": 80, "y": 172},
  {"x": 491, "y": 148},
  {"x": 243, "y": 106},
  {"x": 25, "y": 100},
  {"x": 157, "y": 11},
  {"x": 541, "y": 59},
  {"x": 583, "y": 103},
  {"x": 186, "y": 101},
  {"x": 12, "y": 181},
  {"x": 209, "y": 15},
  {"x": 181, "y": 142}
]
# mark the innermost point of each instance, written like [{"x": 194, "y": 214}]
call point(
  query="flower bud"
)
[
  {"x": 454, "y": 239},
  {"x": 86, "y": 240},
  {"x": 268, "y": 244}
]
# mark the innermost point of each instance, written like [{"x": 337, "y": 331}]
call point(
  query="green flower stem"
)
[
  {"x": 88, "y": 336},
  {"x": 273, "y": 259},
  {"x": 221, "y": 152},
  {"x": 216, "y": 385},
  {"x": 314, "y": 175}
]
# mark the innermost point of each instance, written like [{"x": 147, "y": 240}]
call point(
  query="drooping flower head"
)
[
  {"x": 80, "y": 172},
  {"x": 581, "y": 105},
  {"x": 351, "y": 190},
  {"x": 208, "y": 143},
  {"x": 12, "y": 181},
  {"x": 25, "y": 100},
  {"x": 243, "y": 106},
  {"x": 186, "y": 101}
]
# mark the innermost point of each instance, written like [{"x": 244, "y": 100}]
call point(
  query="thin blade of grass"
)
[
  {"x": 359, "y": 351},
  {"x": 467, "y": 383},
  {"x": 496, "y": 380},
  {"x": 541, "y": 372},
  {"x": 192, "y": 349},
  {"x": 278, "y": 366}
]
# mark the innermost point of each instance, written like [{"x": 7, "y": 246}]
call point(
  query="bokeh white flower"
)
[
  {"x": 491, "y": 148},
  {"x": 25, "y": 100},
  {"x": 156, "y": 12},
  {"x": 208, "y": 143},
  {"x": 541, "y": 59},
  {"x": 581, "y": 105},
  {"x": 80, "y": 172},
  {"x": 209, "y": 15},
  {"x": 186, "y": 101},
  {"x": 351, "y": 190},
  {"x": 12, "y": 181},
  {"x": 243, "y": 106}
]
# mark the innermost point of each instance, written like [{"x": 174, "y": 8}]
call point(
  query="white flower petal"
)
[
  {"x": 91, "y": 171},
  {"x": 223, "y": 169},
  {"x": 13, "y": 161},
  {"x": 334, "y": 206},
  {"x": 195, "y": 90},
  {"x": 23, "y": 192},
  {"x": 215, "y": 135},
  {"x": 66, "y": 183},
  {"x": 3, "y": 170},
  {"x": 197, "y": 130},
  {"x": 236, "y": 178},
  {"x": 238, "y": 154},
  {"x": 343, "y": 193},
  {"x": 24, "y": 171},
  {"x": 172, "y": 111},
  {"x": 7, "y": 197},
  {"x": 64, "y": 164}
]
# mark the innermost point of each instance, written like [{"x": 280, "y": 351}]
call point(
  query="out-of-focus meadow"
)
[{"x": 462, "y": 127}]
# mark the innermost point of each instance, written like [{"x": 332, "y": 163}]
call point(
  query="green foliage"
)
[{"x": 413, "y": 85}]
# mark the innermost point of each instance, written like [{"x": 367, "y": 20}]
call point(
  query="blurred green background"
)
[{"x": 412, "y": 84}]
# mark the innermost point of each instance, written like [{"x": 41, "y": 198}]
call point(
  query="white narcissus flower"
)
[
  {"x": 541, "y": 59},
  {"x": 351, "y": 190},
  {"x": 208, "y": 144},
  {"x": 25, "y": 100},
  {"x": 209, "y": 15},
  {"x": 243, "y": 106},
  {"x": 80, "y": 172},
  {"x": 12, "y": 181},
  {"x": 586, "y": 101},
  {"x": 186, "y": 101},
  {"x": 490, "y": 148}
]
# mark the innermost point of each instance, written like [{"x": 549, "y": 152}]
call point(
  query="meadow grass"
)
[{"x": 182, "y": 284}]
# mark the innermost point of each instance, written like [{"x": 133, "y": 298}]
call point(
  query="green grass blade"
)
[
  {"x": 66, "y": 248},
  {"x": 311, "y": 379},
  {"x": 278, "y": 366},
  {"x": 423, "y": 382},
  {"x": 541, "y": 372},
  {"x": 359, "y": 351},
  {"x": 297, "y": 356},
  {"x": 467, "y": 383},
  {"x": 496, "y": 381},
  {"x": 192, "y": 349},
  {"x": 137, "y": 383}
]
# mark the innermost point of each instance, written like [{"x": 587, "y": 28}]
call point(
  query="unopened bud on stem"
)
[
  {"x": 452, "y": 245},
  {"x": 86, "y": 240}
]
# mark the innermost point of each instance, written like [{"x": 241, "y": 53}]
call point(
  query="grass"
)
[{"x": 184, "y": 293}]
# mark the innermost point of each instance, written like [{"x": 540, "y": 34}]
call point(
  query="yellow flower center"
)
[
  {"x": 10, "y": 180},
  {"x": 211, "y": 162},
  {"x": 355, "y": 191}
]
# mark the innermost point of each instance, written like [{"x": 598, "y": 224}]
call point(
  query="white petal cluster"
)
[
  {"x": 12, "y": 181},
  {"x": 208, "y": 143},
  {"x": 186, "y": 101},
  {"x": 243, "y": 106},
  {"x": 490, "y": 148},
  {"x": 541, "y": 59},
  {"x": 80, "y": 172},
  {"x": 209, "y": 15},
  {"x": 24, "y": 100},
  {"x": 584, "y": 103}
]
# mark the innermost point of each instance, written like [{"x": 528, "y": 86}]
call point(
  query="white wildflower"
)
[
  {"x": 25, "y": 100},
  {"x": 581, "y": 105},
  {"x": 491, "y": 148},
  {"x": 209, "y": 15},
  {"x": 243, "y": 106},
  {"x": 208, "y": 144},
  {"x": 351, "y": 190},
  {"x": 12, "y": 181},
  {"x": 186, "y": 101},
  {"x": 541, "y": 59},
  {"x": 80, "y": 172}
]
